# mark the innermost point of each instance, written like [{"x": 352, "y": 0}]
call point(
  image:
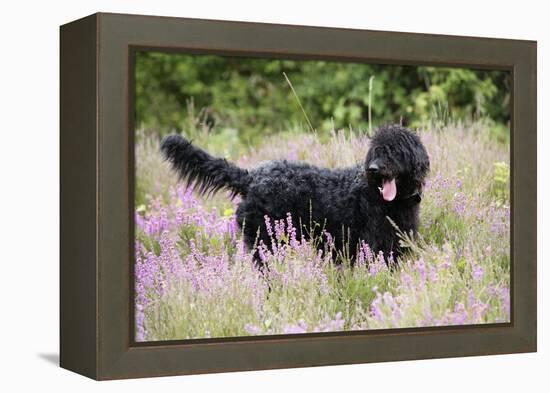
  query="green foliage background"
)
[{"x": 249, "y": 97}]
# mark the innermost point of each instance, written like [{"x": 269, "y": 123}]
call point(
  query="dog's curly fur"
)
[{"x": 348, "y": 202}]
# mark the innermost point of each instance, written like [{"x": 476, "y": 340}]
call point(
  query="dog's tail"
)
[{"x": 197, "y": 168}]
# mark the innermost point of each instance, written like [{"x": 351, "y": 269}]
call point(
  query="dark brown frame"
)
[{"x": 97, "y": 196}]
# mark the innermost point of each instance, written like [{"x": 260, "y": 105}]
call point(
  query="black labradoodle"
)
[{"x": 352, "y": 204}]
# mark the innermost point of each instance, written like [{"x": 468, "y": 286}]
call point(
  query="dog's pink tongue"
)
[{"x": 389, "y": 190}]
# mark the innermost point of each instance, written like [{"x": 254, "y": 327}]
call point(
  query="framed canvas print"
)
[{"x": 241, "y": 196}]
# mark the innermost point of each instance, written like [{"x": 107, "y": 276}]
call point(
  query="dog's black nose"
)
[{"x": 373, "y": 167}]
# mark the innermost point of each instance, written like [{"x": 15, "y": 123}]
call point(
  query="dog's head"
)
[{"x": 397, "y": 164}]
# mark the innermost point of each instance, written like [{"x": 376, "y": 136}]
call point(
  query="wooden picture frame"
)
[{"x": 97, "y": 168}]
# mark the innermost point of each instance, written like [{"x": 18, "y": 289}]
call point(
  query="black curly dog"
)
[{"x": 352, "y": 204}]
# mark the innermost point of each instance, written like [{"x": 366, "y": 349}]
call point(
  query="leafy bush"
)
[{"x": 250, "y": 97}]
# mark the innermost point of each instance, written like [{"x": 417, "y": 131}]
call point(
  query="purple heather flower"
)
[
  {"x": 140, "y": 221},
  {"x": 460, "y": 315},
  {"x": 477, "y": 272},
  {"x": 268, "y": 226},
  {"x": 434, "y": 276},
  {"x": 252, "y": 329},
  {"x": 459, "y": 203},
  {"x": 375, "y": 308},
  {"x": 291, "y": 231},
  {"x": 406, "y": 280},
  {"x": 331, "y": 325},
  {"x": 330, "y": 240},
  {"x": 279, "y": 229},
  {"x": 420, "y": 267},
  {"x": 446, "y": 261},
  {"x": 263, "y": 252},
  {"x": 300, "y": 327},
  {"x": 505, "y": 299}
]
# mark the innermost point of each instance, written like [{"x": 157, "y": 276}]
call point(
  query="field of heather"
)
[{"x": 194, "y": 278}]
